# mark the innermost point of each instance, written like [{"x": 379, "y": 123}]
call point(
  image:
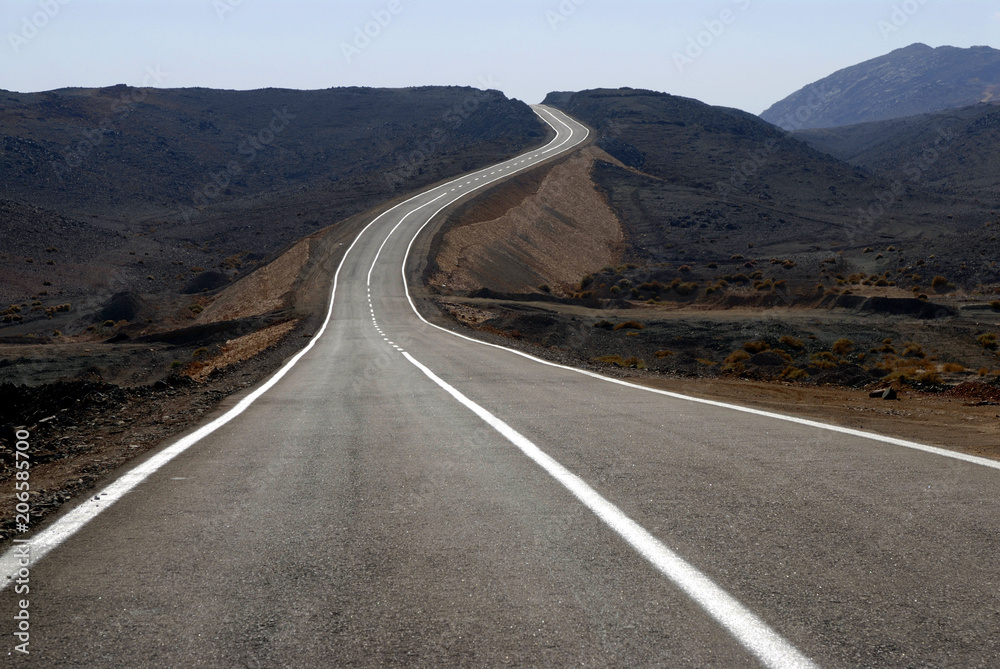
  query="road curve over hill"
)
[{"x": 400, "y": 495}]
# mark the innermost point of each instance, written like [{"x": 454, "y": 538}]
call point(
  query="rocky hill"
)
[
  {"x": 914, "y": 80},
  {"x": 953, "y": 150},
  {"x": 706, "y": 186},
  {"x": 162, "y": 192}
]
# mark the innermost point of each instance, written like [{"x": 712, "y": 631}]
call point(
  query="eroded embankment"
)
[{"x": 540, "y": 232}]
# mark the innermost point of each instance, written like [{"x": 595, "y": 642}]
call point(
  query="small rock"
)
[{"x": 884, "y": 393}]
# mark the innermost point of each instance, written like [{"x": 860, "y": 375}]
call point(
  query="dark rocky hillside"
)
[
  {"x": 145, "y": 190},
  {"x": 715, "y": 186},
  {"x": 953, "y": 150},
  {"x": 915, "y": 80}
]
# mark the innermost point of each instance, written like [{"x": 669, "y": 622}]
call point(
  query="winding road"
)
[{"x": 402, "y": 495}]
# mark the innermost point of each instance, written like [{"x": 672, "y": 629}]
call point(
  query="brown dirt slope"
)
[
  {"x": 267, "y": 289},
  {"x": 562, "y": 230}
]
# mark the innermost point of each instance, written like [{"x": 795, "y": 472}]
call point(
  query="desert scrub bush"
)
[
  {"x": 630, "y": 325},
  {"x": 233, "y": 261},
  {"x": 824, "y": 360},
  {"x": 842, "y": 346},
  {"x": 789, "y": 264},
  {"x": 886, "y": 347},
  {"x": 928, "y": 378},
  {"x": 792, "y": 343},
  {"x": 616, "y": 360},
  {"x": 615, "y": 290},
  {"x": 792, "y": 373},
  {"x": 686, "y": 289},
  {"x": 940, "y": 284},
  {"x": 741, "y": 279},
  {"x": 686, "y": 269},
  {"x": 586, "y": 281},
  {"x": 108, "y": 324},
  {"x": 737, "y": 356},
  {"x": 763, "y": 285},
  {"x": 988, "y": 341},
  {"x": 195, "y": 308},
  {"x": 604, "y": 325},
  {"x": 952, "y": 368},
  {"x": 635, "y": 363},
  {"x": 706, "y": 362},
  {"x": 755, "y": 347},
  {"x": 913, "y": 350},
  {"x": 660, "y": 355}
]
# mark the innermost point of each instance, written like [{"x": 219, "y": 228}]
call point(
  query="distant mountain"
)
[
  {"x": 914, "y": 80},
  {"x": 953, "y": 150}
]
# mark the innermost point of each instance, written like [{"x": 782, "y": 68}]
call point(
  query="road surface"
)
[{"x": 399, "y": 495}]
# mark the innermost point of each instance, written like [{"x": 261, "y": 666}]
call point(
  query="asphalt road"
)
[{"x": 404, "y": 496}]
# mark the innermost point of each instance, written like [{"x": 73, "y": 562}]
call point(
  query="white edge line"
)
[
  {"x": 745, "y": 627},
  {"x": 973, "y": 459},
  {"x": 749, "y": 630},
  {"x": 70, "y": 523}
]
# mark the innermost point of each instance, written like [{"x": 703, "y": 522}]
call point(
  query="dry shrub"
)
[
  {"x": 611, "y": 360},
  {"x": 755, "y": 347},
  {"x": 825, "y": 360},
  {"x": 734, "y": 361},
  {"x": 792, "y": 343},
  {"x": 792, "y": 373},
  {"x": 843, "y": 346}
]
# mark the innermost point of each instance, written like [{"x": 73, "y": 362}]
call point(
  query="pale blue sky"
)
[{"x": 761, "y": 50}]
